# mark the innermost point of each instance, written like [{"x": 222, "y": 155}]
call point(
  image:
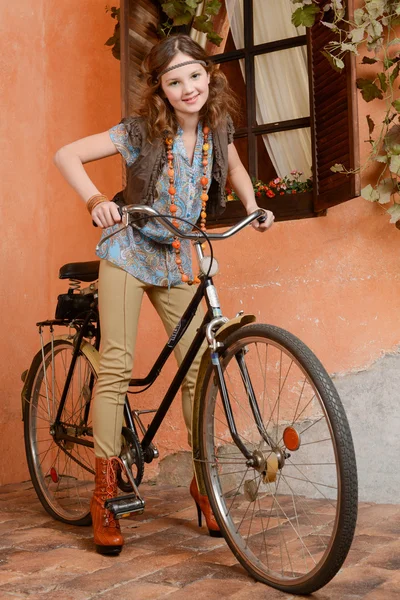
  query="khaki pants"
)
[{"x": 120, "y": 297}]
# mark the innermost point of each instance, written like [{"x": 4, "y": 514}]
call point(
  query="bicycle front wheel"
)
[
  {"x": 60, "y": 455},
  {"x": 288, "y": 509}
]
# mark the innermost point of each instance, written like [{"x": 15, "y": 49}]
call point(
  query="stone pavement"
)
[{"x": 167, "y": 555}]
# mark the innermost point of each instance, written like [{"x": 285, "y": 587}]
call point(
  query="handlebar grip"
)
[
  {"x": 262, "y": 219},
  {"x": 120, "y": 214}
]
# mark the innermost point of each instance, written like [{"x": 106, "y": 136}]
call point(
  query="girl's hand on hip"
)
[
  {"x": 106, "y": 214},
  {"x": 266, "y": 224}
]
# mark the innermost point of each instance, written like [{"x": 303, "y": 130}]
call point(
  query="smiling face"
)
[{"x": 186, "y": 87}]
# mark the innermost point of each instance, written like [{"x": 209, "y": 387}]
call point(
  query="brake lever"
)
[
  {"x": 263, "y": 217},
  {"x": 125, "y": 221}
]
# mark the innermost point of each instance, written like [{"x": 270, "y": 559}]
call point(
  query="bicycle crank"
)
[
  {"x": 123, "y": 506},
  {"x": 132, "y": 455}
]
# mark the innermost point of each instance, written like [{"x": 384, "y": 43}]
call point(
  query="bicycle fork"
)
[{"x": 251, "y": 458}]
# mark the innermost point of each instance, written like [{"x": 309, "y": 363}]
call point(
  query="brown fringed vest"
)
[{"x": 143, "y": 175}]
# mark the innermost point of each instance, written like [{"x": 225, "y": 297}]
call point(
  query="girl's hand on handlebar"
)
[
  {"x": 106, "y": 214},
  {"x": 267, "y": 222}
]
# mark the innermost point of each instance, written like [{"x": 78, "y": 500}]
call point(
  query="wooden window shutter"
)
[
  {"x": 139, "y": 21},
  {"x": 334, "y": 122}
]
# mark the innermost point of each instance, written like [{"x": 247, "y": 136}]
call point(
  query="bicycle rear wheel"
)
[
  {"x": 62, "y": 470},
  {"x": 288, "y": 511}
]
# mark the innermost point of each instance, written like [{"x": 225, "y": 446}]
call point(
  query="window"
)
[
  {"x": 270, "y": 74},
  {"x": 298, "y": 113}
]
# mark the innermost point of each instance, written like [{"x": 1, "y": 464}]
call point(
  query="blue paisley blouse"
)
[{"x": 146, "y": 253}]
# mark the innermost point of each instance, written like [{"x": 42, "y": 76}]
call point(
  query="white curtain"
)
[
  {"x": 281, "y": 80},
  {"x": 198, "y": 36}
]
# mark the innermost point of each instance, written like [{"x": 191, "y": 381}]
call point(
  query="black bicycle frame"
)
[
  {"x": 177, "y": 381},
  {"x": 75, "y": 354},
  {"x": 184, "y": 367},
  {"x": 172, "y": 342},
  {"x": 174, "y": 339}
]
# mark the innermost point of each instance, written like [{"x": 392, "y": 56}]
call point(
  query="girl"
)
[{"x": 180, "y": 141}]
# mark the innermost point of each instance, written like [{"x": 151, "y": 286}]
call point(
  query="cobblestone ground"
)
[{"x": 167, "y": 555}]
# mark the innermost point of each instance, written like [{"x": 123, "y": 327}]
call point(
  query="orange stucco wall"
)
[
  {"x": 58, "y": 83},
  {"x": 333, "y": 281}
]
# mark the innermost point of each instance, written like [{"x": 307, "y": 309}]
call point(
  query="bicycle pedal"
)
[{"x": 123, "y": 506}]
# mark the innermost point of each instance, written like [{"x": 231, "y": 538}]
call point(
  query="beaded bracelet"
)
[{"x": 95, "y": 201}]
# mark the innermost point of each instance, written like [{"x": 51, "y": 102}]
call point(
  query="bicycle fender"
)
[
  {"x": 222, "y": 333},
  {"x": 26, "y": 377},
  {"x": 92, "y": 355},
  {"x": 87, "y": 349}
]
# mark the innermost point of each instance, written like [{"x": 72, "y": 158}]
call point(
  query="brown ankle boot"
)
[
  {"x": 203, "y": 506},
  {"x": 106, "y": 529}
]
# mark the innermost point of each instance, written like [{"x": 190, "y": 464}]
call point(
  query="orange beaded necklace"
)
[{"x": 176, "y": 244}]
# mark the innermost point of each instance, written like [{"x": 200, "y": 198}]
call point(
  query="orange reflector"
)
[
  {"x": 291, "y": 438},
  {"x": 54, "y": 475}
]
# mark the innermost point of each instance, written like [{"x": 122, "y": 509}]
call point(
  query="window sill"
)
[{"x": 285, "y": 208}]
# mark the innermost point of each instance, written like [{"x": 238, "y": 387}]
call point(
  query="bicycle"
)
[{"x": 272, "y": 447}]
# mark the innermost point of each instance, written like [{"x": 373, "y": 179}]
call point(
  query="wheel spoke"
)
[
  {"x": 280, "y": 511},
  {"x": 62, "y": 469}
]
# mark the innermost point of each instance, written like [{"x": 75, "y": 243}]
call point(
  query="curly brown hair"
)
[{"x": 155, "y": 108}]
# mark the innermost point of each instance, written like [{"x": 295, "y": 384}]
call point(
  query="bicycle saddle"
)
[{"x": 83, "y": 271}]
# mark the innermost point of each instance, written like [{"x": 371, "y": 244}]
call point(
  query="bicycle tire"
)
[
  {"x": 62, "y": 472},
  {"x": 301, "y": 532}
]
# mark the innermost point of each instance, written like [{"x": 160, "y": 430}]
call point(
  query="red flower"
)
[
  {"x": 258, "y": 194},
  {"x": 282, "y": 193},
  {"x": 270, "y": 194},
  {"x": 294, "y": 192}
]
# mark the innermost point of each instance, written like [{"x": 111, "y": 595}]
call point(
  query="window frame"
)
[
  {"x": 285, "y": 207},
  {"x": 307, "y": 204},
  {"x": 248, "y": 53}
]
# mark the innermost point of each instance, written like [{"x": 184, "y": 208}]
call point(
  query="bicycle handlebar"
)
[
  {"x": 129, "y": 209},
  {"x": 194, "y": 235}
]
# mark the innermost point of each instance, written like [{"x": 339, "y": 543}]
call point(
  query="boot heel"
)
[
  {"x": 215, "y": 533},
  {"x": 199, "y": 514},
  {"x": 204, "y": 508},
  {"x": 108, "y": 550}
]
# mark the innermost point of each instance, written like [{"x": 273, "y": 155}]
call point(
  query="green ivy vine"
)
[
  {"x": 175, "y": 16},
  {"x": 114, "y": 40},
  {"x": 374, "y": 26},
  {"x": 179, "y": 14}
]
